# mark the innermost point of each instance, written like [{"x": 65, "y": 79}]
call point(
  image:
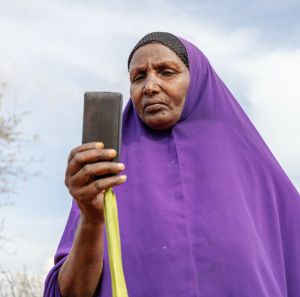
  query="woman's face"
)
[{"x": 159, "y": 83}]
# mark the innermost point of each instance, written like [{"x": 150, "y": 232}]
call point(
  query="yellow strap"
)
[{"x": 118, "y": 283}]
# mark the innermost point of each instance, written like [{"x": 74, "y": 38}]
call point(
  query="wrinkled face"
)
[{"x": 159, "y": 83}]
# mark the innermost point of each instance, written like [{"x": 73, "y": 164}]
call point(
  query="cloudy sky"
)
[{"x": 51, "y": 52}]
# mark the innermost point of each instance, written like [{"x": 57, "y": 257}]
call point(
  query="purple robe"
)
[{"x": 207, "y": 211}]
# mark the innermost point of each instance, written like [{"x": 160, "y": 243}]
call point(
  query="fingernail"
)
[
  {"x": 123, "y": 178},
  {"x": 112, "y": 152},
  {"x": 100, "y": 145},
  {"x": 121, "y": 166}
]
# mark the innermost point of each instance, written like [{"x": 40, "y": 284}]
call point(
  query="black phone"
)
[{"x": 102, "y": 119}]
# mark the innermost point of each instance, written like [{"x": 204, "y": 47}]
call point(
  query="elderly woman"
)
[{"x": 206, "y": 210}]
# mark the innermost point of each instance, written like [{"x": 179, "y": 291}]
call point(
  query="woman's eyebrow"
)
[
  {"x": 137, "y": 69},
  {"x": 166, "y": 63},
  {"x": 157, "y": 65}
]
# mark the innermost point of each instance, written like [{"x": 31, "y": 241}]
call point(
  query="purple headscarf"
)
[{"x": 207, "y": 211}]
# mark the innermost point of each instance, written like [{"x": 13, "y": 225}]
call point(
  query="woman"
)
[{"x": 206, "y": 210}]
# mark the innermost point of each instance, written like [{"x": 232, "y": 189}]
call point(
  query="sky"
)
[{"x": 51, "y": 52}]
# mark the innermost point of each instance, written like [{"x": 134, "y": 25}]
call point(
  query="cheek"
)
[
  {"x": 179, "y": 96},
  {"x": 135, "y": 97},
  {"x": 182, "y": 91}
]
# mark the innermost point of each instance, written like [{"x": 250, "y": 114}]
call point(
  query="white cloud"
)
[{"x": 275, "y": 99}]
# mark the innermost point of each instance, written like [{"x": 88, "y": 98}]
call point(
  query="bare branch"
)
[
  {"x": 20, "y": 284},
  {"x": 14, "y": 166}
]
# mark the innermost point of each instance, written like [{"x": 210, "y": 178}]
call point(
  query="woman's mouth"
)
[{"x": 154, "y": 107}]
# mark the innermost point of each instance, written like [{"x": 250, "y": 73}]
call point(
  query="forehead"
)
[{"x": 154, "y": 53}]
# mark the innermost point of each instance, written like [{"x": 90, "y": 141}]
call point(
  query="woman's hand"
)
[{"x": 84, "y": 163}]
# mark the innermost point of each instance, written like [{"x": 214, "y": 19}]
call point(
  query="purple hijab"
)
[{"x": 207, "y": 211}]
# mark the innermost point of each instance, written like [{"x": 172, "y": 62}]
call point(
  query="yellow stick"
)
[{"x": 118, "y": 283}]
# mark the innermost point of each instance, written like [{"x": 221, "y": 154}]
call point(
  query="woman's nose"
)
[{"x": 151, "y": 86}]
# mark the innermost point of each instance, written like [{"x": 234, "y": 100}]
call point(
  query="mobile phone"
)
[{"x": 102, "y": 121}]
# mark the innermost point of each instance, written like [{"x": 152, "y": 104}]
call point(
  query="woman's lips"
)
[{"x": 153, "y": 107}]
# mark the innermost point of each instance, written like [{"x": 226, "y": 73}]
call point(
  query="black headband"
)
[{"x": 166, "y": 39}]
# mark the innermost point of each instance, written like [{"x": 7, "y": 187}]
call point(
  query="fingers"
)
[
  {"x": 91, "y": 191},
  {"x": 85, "y": 147},
  {"x": 88, "y": 156},
  {"x": 88, "y": 171},
  {"x": 84, "y": 163}
]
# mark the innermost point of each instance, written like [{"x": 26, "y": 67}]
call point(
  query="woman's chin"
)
[{"x": 159, "y": 122}]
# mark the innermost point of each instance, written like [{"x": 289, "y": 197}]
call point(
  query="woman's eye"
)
[
  {"x": 138, "y": 77},
  {"x": 167, "y": 72}
]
